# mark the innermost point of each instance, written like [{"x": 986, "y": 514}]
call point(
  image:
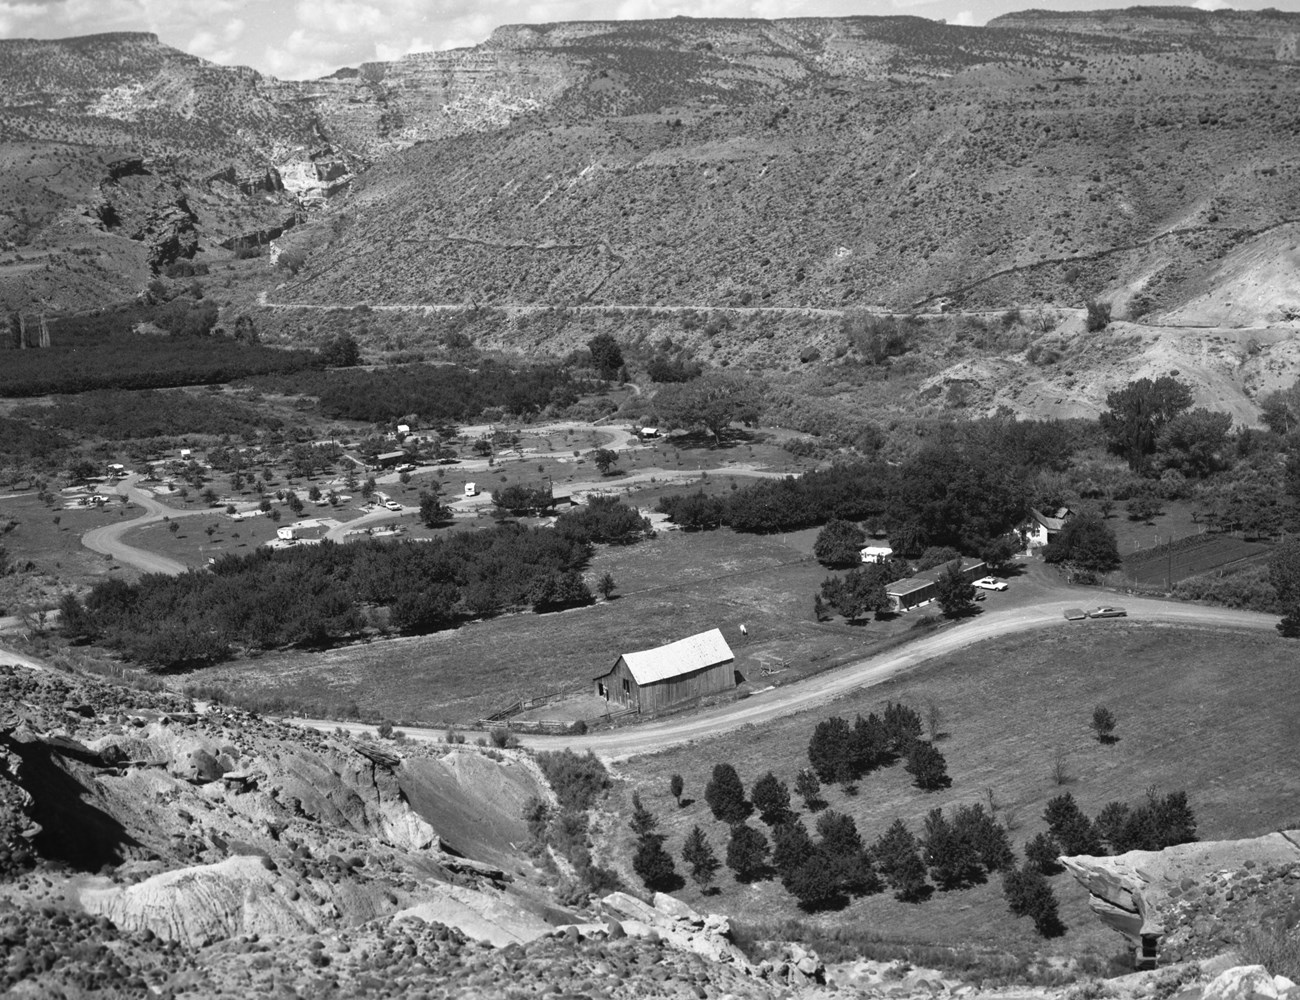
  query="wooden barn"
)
[{"x": 655, "y": 679}]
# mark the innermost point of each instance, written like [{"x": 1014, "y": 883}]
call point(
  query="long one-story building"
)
[
  {"x": 682, "y": 671},
  {"x": 924, "y": 587}
]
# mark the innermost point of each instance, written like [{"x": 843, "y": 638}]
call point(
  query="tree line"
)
[
  {"x": 438, "y": 392},
  {"x": 319, "y": 594},
  {"x": 967, "y": 487}
]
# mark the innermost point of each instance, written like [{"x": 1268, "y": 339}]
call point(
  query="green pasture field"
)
[
  {"x": 1210, "y": 712},
  {"x": 670, "y": 587}
]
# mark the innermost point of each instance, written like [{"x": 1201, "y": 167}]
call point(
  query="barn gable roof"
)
[{"x": 681, "y": 657}]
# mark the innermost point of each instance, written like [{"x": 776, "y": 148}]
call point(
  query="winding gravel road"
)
[
  {"x": 108, "y": 539},
  {"x": 620, "y": 744}
]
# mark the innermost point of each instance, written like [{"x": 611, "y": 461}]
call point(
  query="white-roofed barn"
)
[{"x": 682, "y": 671}]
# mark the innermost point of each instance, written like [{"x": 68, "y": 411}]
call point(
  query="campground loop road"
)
[
  {"x": 620, "y": 744},
  {"x": 108, "y": 539}
]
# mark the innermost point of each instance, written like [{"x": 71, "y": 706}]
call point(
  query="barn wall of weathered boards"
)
[
  {"x": 624, "y": 689},
  {"x": 682, "y": 671}
]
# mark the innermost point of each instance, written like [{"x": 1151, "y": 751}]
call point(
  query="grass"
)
[
  {"x": 1175, "y": 521},
  {"x": 59, "y": 561},
  {"x": 672, "y": 586},
  {"x": 191, "y": 545},
  {"x": 1209, "y": 552},
  {"x": 1197, "y": 710}
]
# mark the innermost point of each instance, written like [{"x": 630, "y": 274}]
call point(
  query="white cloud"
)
[{"x": 965, "y": 18}]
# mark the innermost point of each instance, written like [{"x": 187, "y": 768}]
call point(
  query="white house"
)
[
  {"x": 1041, "y": 529},
  {"x": 877, "y": 553},
  {"x": 287, "y": 533}
]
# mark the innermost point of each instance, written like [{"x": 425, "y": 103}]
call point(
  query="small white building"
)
[
  {"x": 186, "y": 453},
  {"x": 649, "y": 432},
  {"x": 288, "y": 533},
  {"x": 877, "y": 553},
  {"x": 403, "y": 429}
]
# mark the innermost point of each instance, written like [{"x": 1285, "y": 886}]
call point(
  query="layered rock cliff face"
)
[
  {"x": 148, "y": 849},
  {"x": 1195, "y": 900}
]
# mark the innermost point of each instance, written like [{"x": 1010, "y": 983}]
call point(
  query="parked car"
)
[
  {"x": 1107, "y": 612},
  {"x": 408, "y": 467},
  {"x": 990, "y": 583},
  {"x": 392, "y": 505}
]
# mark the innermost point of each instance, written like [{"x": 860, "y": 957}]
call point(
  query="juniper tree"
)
[
  {"x": 1103, "y": 724},
  {"x": 1070, "y": 828},
  {"x": 809, "y": 789},
  {"x": 1028, "y": 894},
  {"x": 747, "y": 852},
  {"x": 772, "y": 799},
  {"x": 1041, "y": 854},
  {"x": 726, "y": 795},
  {"x": 898, "y": 857},
  {"x": 698, "y": 854},
  {"x": 927, "y": 766}
]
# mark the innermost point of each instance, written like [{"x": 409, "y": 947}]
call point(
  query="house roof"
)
[
  {"x": 681, "y": 657},
  {"x": 390, "y": 456},
  {"x": 878, "y": 550},
  {"x": 927, "y": 578},
  {"x": 1052, "y": 522}
]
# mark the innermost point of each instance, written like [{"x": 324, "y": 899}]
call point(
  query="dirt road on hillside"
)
[
  {"x": 620, "y": 744},
  {"x": 108, "y": 539}
]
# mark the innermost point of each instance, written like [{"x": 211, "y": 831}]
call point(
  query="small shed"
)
[
  {"x": 877, "y": 553},
  {"x": 924, "y": 587},
  {"x": 649, "y": 432},
  {"x": 287, "y": 534},
  {"x": 390, "y": 458},
  {"x": 682, "y": 671}
]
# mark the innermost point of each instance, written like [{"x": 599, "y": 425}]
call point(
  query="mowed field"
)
[
  {"x": 1215, "y": 713},
  {"x": 670, "y": 587}
]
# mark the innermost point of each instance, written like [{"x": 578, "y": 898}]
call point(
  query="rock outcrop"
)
[{"x": 1193, "y": 900}]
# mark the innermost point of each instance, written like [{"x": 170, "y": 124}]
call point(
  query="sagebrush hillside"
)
[{"x": 784, "y": 171}]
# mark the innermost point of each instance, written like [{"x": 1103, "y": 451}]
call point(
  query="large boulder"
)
[
  {"x": 1192, "y": 900},
  {"x": 1245, "y": 982}
]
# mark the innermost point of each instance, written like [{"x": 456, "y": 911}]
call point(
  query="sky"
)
[{"x": 301, "y": 39}]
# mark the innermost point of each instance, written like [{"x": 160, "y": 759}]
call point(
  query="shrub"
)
[
  {"x": 578, "y": 780},
  {"x": 1098, "y": 315}
]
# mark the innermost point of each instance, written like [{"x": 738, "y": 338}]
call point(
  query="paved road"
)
[
  {"x": 108, "y": 539},
  {"x": 620, "y": 744}
]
